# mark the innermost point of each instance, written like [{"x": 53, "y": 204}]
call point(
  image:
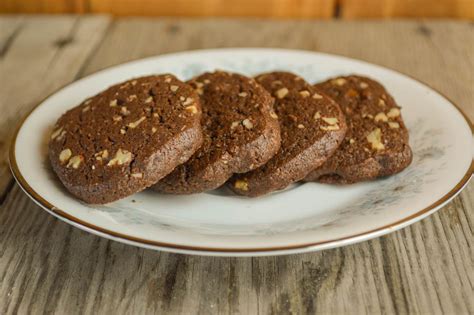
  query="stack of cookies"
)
[{"x": 256, "y": 135}]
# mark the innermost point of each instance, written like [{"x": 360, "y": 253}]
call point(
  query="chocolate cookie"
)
[
  {"x": 126, "y": 138},
  {"x": 312, "y": 128},
  {"x": 376, "y": 143},
  {"x": 241, "y": 132}
]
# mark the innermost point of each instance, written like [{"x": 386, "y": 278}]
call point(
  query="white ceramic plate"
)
[{"x": 305, "y": 217}]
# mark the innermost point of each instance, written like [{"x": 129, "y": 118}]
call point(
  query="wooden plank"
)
[
  {"x": 43, "y": 6},
  {"x": 48, "y": 266},
  {"x": 407, "y": 8},
  {"x": 261, "y": 8},
  {"x": 43, "y": 55}
]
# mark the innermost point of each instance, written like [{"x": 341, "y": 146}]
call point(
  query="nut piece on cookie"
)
[{"x": 107, "y": 148}]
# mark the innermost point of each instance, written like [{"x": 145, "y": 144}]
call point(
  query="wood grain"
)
[
  {"x": 407, "y": 8},
  {"x": 38, "y": 55},
  {"x": 250, "y": 8},
  {"x": 47, "y": 266}
]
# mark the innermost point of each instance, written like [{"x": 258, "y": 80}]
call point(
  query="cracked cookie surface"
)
[{"x": 126, "y": 138}]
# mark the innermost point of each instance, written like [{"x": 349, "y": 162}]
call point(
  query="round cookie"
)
[
  {"x": 126, "y": 138},
  {"x": 312, "y": 128},
  {"x": 376, "y": 142},
  {"x": 240, "y": 130}
]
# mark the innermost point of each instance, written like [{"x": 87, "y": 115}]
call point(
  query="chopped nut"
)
[
  {"x": 134, "y": 82},
  {"x": 247, "y": 123},
  {"x": 75, "y": 161},
  {"x": 381, "y": 102},
  {"x": 381, "y": 117},
  {"x": 300, "y": 126},
  {"x": 174, "y": 88},
  {"x": 273, "y": 115},
  {"x": 121, "y": 157},
  {"x": 117, "y": 118},
  {"x": 93, "y": 167},
  {"x": 393, "y": 112},
  {"x": 276, "y": 82},
  {"x": 199, "y": 91},
  {"x": 234, "y": 125},
  {"x": 329, "y": 128},
  {"x": 305, "y": 93},
  {"x": 281, "y": 93},
  {"x": 363, "y": 85},
  {"x": 199, "y": 84},
  {"x": 137, "y": 175},
  {"x": 243, "y": 94},
  {"x": 241, "y": 184},
  {"x": 61, "y": 135},
  {"x": 182, "y": 98},
  {"x": 317, "y": 115},
  {"x": 367, "y": 116},
  {"x": 85, "y": 109},
  {"x": 123, "y": 131},
  {"x": 136, "y": 123},
  {"x": 149, "y": 99},
  {"x": 65, "y": 155},
  {"x": 101, "y": 155},
  {"x": 351, "y": 141},
  {"x": 168, "y": 80},
  {"x": 132, "y": 97},
  {"x": 153, "y": 129},
  {"x": 192, "y": 109},
  {"x": 124, "y": 111},
  {"x": 375, "y": 139},
  {"x": 317, "y": 96},
  {"x": 113, "y": 103},
  {"x": 188, "y": 101},
  {"x": 207, "y": 81},
  {"x": 339, "y": 81},
  {"x": 393, "y": 124},
  {"x": 331, "y": 120},
  {"x": 56, "y": 133},
  {"x": 156, "y": 115}
]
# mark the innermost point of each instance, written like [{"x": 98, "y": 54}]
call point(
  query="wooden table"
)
[{"x": 49, "y": 266}]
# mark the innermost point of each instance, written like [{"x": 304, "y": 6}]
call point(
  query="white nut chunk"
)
[
  {"x": 305, "y": 93},
  {"x": 65, "y": 155},
  {"x": 331, "y": 120},
  {"x": 393, "y": 112},
  {"x": 56, "y": 133},
  {"x": 121, "y": 157},
  {"x": 317, "y": 96},
  {"x": 375, "y": 139},
  {"x": 247, "y": 123},
  {"x": 381, "y": 117},
  {"x": 241, "y": 184},
  {"x": 281, "y": 93},
  {"x": 192, "y": 109},
  {"x": 174, "y": 88},
  {"x": 339, "y": 81},
  {"x": 188, "y": 101},
  {"x": 75, "y": 161},
  {"x": 136, "y": 123}
]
